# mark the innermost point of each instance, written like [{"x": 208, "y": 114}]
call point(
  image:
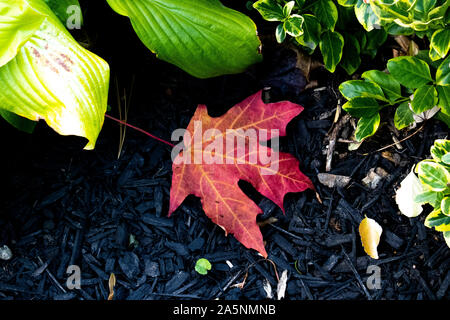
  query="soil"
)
[{"x": 63, "y": 206}]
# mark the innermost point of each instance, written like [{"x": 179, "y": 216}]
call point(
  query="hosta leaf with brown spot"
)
[
  {"x": 53, "y": 78},
  {"x": 370, "y": 232},
  {"x": 217, "y": 184}
]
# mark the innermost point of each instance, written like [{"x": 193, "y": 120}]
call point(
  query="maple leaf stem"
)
[{"x": 140, "y": 130}]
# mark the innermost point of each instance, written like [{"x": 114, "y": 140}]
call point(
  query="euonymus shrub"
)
[
  {"x": 324, "y": 24},
  {"x": 430, "y": 18},
  {"x": 430, "y": 186},
  {"x": 415, "y": 88},
  {"x": 46, "y": 74}
]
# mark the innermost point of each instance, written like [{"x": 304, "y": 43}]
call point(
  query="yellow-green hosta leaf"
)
[
  {"x": 203, "y": 37},
  {"x": 18, "y": 122},
  {"x": 53, "y": 78},
  {"x": 18, "y": 22}
]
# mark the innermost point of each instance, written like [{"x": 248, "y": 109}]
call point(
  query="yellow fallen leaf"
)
[{"x": 370, "y": 232}]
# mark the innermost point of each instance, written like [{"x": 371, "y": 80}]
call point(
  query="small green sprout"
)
[{"x": 202, "y": 266}]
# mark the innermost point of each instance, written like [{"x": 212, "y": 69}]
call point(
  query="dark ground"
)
[{"x": 62, "y": 206}]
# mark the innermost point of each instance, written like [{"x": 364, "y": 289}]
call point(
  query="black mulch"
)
[{"x": 61, "y": 206}]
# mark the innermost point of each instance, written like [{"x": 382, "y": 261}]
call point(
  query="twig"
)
[
  {"x": 395, "y": 143},
  {"x": 332, "y": 140},
  {"x": 140, "y": 130},
  {"x": 358, "y": 278}
]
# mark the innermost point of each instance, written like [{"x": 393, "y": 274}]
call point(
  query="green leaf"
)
[
  {"x": 446, "y": 235},
  {"x": 396, "y": 30},
  {"x": 311, "y": 32},
  {"x": 391, "y": 10},
  {"x": 440, "y": 148},
  {"x": 443, "y": 117},
  {"x": 433, "y": 175},
  {"x": 388, "y": 84},
  {"x": 445, "y": 206},
  {"x": 300, "y": 3},
  {"x": 438, "y": 220},
  {"x": 367, "y": 127},
  {"x": 360, "y": 88},
  {"x": 443, "y": 73},
  {"x": 425, "y": 98},
  {"x": 362, "y": 107},
  {"x": 425, "y": 56},
  {"x": 440, "y": 42},
  {"x": 18, "y": 23},
  {"x": 19, "y": 123},
  {"x": 444, "y": 99},
  {"x": 410, "y": 71},
  {"x": 55, "y": 79},
  {"x": 366, "y": 17},
  {"x": 446, "y": 158},
  {"x": 431, "y": 197},
  {"x": 375, "y": 39},
  {"x": 403, "y": 116},
  {"x": 65, "y": 10},
  {"x": 326, "y": 12},
  {"x": 203, "y": 266},
  {"x": 203, "y": 37},
  {"x": 287, "y": 9},
  {"x": 347, "y": 3},
  {"x": 280, "y": 33},
  {"x": 270, "y": 10},
  {"x": 424, "y": 6},
  {"x": 331, "y": 46},
  {"x": 439, "y": 12},
  {"x": 293, "y": 25},
  {"x": 433, "y": 54},
  {"x": 351, "y": 59}
]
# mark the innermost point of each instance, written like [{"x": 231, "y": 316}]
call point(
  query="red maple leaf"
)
[{"x": 211, "y": 172}]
